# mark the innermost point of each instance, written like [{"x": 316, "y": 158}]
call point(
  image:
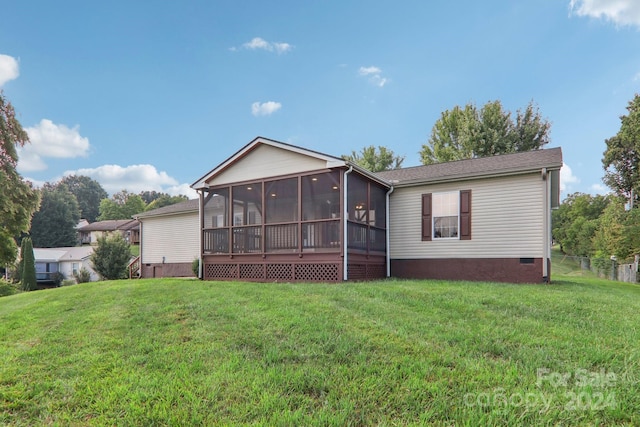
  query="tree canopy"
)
[
  {"x": 468, "y": 132},
  {"x": 54, "y": 224},
  {"x": 18, "y": 199},
  {"x": 122, "y": 205},
  {"x": 88, "y": 193},
  {"x": 375, "y": 159},
  {"x": 621, "y": 159}
]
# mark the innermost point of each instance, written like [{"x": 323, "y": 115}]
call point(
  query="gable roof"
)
[
  {"x": 110, "y": 225},
  {"x": 176, "y": 208},
  {"x": 75, "y": 253},
  {"x": 327, "y": 161},
  {"x": 482, "y": 167}
]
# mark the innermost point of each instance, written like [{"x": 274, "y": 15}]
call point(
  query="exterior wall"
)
[
  {"x": 174, "y": 238},
  {"x": 176, "y": 269},
  {"x": 266, "y": 161},
  {"x": 66, "y": 268},
  {"x": 507, "y": 225},
  {"x": 511, "y": 270},
  {"x": 506, "y": 220}
]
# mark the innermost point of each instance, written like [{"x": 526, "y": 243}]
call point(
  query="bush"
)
[
  {"x": 195, "y": 267},
  {"x": 111, "y": 257},
  {"x": 57, "y": 278},
  {"x": 7, "y": 288},
  {"x": 82, "y": 276}
]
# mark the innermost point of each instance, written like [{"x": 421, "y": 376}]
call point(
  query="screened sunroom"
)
[{"x": 297, "y": 215}]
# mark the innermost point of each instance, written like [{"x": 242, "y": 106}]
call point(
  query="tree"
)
[
  {"x": 464, "y": 133},
  {"x": 88, "y": 193},
  {"x": 123, "y": 205},
  {"x": 621, "y": 159},
  {"x": 165, "y": 200},
  {"x": 111, "y": 257},
  {"x": 375, "y": 159},
  {"x": 28, "y": 266},
  {"x": 576, "y": 221},
  {"x": 54, "y": 224},
  {"x": 18, "y": 199}
]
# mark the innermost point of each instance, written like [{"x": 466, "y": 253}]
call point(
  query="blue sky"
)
[{"x": 151, "y": 96}]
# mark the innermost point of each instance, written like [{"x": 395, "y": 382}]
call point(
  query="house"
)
[
  {"x": 67, "y": 261},
  {"x": 278, "y": 212},
  {"x": 170, "y": 240},
  {"x": 478, "y": 219},
  {"x": 128, "y": 228}
]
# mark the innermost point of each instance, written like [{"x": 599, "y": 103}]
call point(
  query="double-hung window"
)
[{"x": 446, "y": 215}]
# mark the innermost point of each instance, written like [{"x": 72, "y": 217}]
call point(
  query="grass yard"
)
[{"x": 184, "y": 352}]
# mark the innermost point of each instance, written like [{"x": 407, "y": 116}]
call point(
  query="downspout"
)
[
  {"x": 546, "y": 224},
  {"x": 387, "y": 232},
  {"x": 345, "y": 216},
  {"x": 201, "y": 225}
]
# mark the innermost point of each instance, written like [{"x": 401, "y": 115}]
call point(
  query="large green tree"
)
[
  {"x": 576, "y": 221},
  {"x": 111, "y": 257},
  {"x": 468, "y": 132},
  {"x": 89, "y": 193},
  {"x": 621, "y": 159},
  {"x": 54, "y": 224},
  {"x": 375, "y": 159},
  {"x": 122, "y": 205},
  {"x": 18, "y": 199},
  {"x": 165, "y": 200}
]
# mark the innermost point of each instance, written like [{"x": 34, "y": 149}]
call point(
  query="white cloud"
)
[
  {"x": 260, "y": 43},
  {"x": 9, "y": 69},
  {"x": 265, "y": 108},
  {"x": 374, "y": 75},
  {"x": 134, "y": 178},
  {"x": 567, "y": 178},
  {"x": 51, "y": 140},
  {"x": 600, "y": 189},
  {"x": 620, "y": 12}
]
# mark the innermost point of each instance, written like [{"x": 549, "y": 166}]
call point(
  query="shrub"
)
[
  {"x": 111, "y": 257},
  {"x": 82, "y": 276},
  {"x": 29, "y": 265},
  {"x": 195, "y": 267},
  {"x": 7, "y": 288},
  {"x": 57, "y": 278}
]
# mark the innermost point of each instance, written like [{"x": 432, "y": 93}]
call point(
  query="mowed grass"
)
[{"x": 185, "y": 352}]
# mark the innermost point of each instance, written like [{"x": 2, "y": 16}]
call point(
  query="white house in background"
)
[
  {"x": 67, "y": 261},
  {"x": 170, "y": 240}
]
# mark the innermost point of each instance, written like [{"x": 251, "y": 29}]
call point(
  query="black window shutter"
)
[
  {"x": 465, "y": 215},
  {"x": 426, "y": 217}
]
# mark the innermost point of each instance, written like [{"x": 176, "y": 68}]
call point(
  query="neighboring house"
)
[
  {"x": 128, "y": 228},
  {"x": 277, "y": 212},
  {"x": 67, "y": 261},
  {"x": 170, "y": 240}
]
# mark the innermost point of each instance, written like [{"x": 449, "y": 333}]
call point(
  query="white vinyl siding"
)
[
  {"x": 174, "y": 237},
  {"x": 506, "y": 220},
  {"x": 267, "y": 161}
]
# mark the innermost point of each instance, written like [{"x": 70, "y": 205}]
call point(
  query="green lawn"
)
[{"x": 185, "y": 352}]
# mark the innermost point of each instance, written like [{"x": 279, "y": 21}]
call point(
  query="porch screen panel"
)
[
  {"x": 216, "y": 221},
  {"x": 247, "y": 217},
  {"x": 321, "y": 196},
  {"x": 281, "y": 215}
]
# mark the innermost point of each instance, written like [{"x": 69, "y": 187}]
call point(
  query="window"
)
[{"x": 446, "y": 215}]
